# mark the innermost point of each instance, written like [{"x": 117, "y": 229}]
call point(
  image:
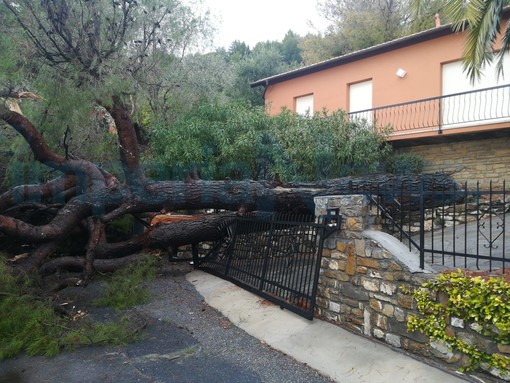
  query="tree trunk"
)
[{"x": 88, "y": 196}]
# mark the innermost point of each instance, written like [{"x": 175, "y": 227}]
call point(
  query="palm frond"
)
[
  {"x": 483, "y": 19},
  {"x": 457, "y": 12},
  {"x": 505, "y": 46}
]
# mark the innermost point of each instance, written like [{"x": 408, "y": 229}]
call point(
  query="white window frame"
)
[
  {"x": 304, "y": 105},
  {"x": 360, "y": 99},
  {"x": 456, "y": 80}
]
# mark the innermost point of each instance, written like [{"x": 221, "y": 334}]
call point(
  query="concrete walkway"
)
[{"x": 331, "y": 350}]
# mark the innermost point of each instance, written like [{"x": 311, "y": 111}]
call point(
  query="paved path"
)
[
  {"x": 337, "y": 353},
  {"x": 488, "y": 239}
]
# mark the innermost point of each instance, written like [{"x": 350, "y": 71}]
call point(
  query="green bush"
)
[
  {"x": 239, "y": 141},
  {"x": 483, "y": 303},
  {"x": 405, "y": 163}
]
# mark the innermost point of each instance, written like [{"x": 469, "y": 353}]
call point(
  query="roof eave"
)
[{"x": 427, "y": 35}]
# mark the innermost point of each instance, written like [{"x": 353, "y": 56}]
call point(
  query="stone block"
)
[
  {"x": 334, "y": 307},
  {"x": 329, "y": 274},
  {"x": 341, "y": 246},
  {"x": 355, "y": 224},
  {"x": 377, "y": 253},
  {"x": 351, "y": 260},
  {"x": 367, "y": 262},
  {"x": 443, "y": 350},
  {"x": 389, "y": 277},
  {"x": 449, "y": 331},
  {"x": 333, "y": 265},
  {"x": 504, "y": 348},
  {"x": 388, "y": 288},
  {"x": 394, "y": 340},
  {"x": 381, "y": 321},
  {"x": 386, "y": 298},
  {"x": 352, "y": 302},
  {"x": 357, "y": 313},
  {"x": 378, "y": 333},
  {"x": 399, "y": 314},
  {"x": 360, "y": 247},
  {"x": 330, "y": 243},
  {"x": 416, "y": 348},
  {"x": 361, "y": 270},
  {"x": 405, "y": 301},
  {"x": 353, "y": 292},
  {"x": 335, "y": 254},
  {"x": 388, "y": 310},
  {"x": 375, "y": 305},
  {"x": 370, "y": 284},
  {"x": 457, "y": 322},
  {"x": 322, "y": 303},
  {"x": 394, "y": 266}
]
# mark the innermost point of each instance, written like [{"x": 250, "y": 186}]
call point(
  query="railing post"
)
[
  {"x": 439, "y": 116},
  {"x": 422, "y": 223},
  {"x": 267, "y": 253}
]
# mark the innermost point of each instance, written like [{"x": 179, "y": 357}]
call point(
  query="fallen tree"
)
[{"x": 86, "y": 197}]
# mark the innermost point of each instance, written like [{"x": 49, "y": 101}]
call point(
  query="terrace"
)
[{"x": 482, "y": 109}]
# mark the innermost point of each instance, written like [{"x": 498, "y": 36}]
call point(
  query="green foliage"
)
[
  {"x": 126, "y": 286},
  {"x": 266, "y": 59},
  {"x": 483, "y": 21},
  {"x": 484, "y": 303},
  {"x": 405, "y": 163},
  {"x": 28, "y": 323},
  {"x": 238, "y": 141},
  {"x": 327, "y": 145}
]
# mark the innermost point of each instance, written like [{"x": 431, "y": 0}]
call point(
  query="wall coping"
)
[{"x": 411, "y": 259}]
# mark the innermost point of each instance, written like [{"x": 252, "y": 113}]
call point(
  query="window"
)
[
  {"x": 360, "y": 100},
  {"x": 479, "y": 105},
  {"x": 304, "y": 105}
]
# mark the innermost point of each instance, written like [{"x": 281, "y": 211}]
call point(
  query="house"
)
[{"x": 417, "y": 85}]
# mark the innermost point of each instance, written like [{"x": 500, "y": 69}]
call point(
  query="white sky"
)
[{"x": 261, "y": 20}]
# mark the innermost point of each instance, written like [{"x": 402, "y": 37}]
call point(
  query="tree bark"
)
[{"x": 91, "y": 197}]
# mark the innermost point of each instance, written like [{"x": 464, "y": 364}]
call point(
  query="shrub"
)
[
  {"x": 483, "y": 304},
  {"x": 240, "y": 141}
]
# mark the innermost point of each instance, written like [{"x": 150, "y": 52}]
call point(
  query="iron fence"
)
[
  {"x": 477, "y": 107},
  {"x": 451, "y": 226},
  {"x": 275, "y": 256}
]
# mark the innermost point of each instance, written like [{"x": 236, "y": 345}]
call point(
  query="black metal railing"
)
[
  {"x": 275, "y": 256},
  {"x": 450, "y": 227},
  {"x": 477, "y": 107}
]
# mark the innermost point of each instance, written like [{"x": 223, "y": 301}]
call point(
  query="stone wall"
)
[
  {"x": 364, "y": 276},
  {"x": 476, "y": 160}
]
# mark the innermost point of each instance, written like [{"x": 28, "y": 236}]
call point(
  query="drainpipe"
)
[{"x": 264, "y": 93}]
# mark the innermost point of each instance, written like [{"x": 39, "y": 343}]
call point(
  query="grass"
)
[
  {"x": 28, "y": 322},
  {"x": 126, "y": 287}
]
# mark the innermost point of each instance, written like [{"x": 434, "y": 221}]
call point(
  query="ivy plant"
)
[{"x": 482, "y": 304}]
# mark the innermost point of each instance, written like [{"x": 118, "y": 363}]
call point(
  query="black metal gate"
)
[{"x": 275, "y": 256}]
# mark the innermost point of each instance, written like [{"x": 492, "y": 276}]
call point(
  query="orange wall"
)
[{"x": 330, "y": 87}]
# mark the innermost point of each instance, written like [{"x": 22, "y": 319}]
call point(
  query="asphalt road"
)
[{"x": 186, "y": 341}]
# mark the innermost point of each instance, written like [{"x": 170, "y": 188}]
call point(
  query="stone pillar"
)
[{"x": 359, "y": 286}]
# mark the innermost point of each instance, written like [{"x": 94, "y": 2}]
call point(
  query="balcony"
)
[{"x": 484, "y": 108}]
